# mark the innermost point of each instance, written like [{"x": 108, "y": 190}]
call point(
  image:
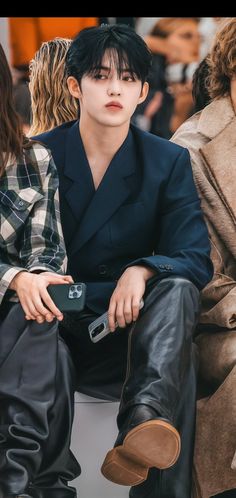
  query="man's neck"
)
[{"x": 101, "y": 140}]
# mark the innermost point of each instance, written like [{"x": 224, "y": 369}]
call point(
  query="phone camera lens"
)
[{"x": 98, "y": 329}]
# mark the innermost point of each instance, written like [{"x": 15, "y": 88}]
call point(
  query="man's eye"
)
[
  {"x": 128, "y": 77},
  {"x": 100, "y": 76}
]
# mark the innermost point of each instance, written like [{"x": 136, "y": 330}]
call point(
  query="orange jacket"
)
[{"x": 27, "y": 33}]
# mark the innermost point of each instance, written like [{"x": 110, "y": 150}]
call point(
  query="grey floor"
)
[{"x": 94, "y": 433}]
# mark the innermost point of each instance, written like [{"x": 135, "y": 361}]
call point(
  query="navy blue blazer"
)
[{"x": 145, "y": 211}]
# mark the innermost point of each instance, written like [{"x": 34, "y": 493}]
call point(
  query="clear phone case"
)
[{"x": 100, "y": 327}]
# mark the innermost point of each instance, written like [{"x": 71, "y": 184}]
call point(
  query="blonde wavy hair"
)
[
  {"x": 51, "y": 102},
  {"x": 222, "y": 59},
  {"x": 167, "y": 25}
]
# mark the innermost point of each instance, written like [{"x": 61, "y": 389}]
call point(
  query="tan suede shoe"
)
[{"x": 154, "y": 443}]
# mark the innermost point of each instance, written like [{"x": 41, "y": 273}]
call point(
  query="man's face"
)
[{"x": 107, "y": 98}]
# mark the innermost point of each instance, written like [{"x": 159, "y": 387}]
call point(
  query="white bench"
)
[{"x": 93, "y": 434}]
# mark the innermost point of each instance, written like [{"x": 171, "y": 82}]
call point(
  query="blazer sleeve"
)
[{"x": 182, "y": 247}]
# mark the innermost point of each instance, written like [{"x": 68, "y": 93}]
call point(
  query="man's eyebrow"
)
[{"x": 108, "y": 68}]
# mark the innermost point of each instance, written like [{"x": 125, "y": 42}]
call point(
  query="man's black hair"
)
[{"x": 126, "y": 49}]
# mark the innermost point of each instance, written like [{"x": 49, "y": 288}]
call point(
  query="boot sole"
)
[{"x": 152, "y": 444}]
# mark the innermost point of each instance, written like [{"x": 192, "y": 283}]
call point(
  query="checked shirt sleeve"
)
[
  {"x": 40, "y": 243},
  {"x": 43, "y": 245}
]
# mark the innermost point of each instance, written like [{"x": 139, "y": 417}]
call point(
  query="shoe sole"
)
[{"x": 152, "y": 444}]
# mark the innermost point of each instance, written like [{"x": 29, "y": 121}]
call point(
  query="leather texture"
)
[
  {"x": 30, "y": 420},
  {"x": 160, "y": 348},
  {"x": 174, "y": 307},
  {"x": 38, "y": 392},
  {"x": 161, "y": 371},
  {"x": 176, "y": 482},
  {"x": 162, "y": 374}
]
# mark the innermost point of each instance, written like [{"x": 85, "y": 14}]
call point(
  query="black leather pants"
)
[
  {"x": 176, "y": 482},
  {"x": 160, "y": 348},
  {"x": 36, "y": 387},
  {"x": 36, "y": 409},
  {"x": 160, "y": 372},
  {"x": 171, "y": 386}
]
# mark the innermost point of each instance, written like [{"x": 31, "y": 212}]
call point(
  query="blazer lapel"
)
[
  {"x": 114, "y": 188},
  {"x": 81, "y": 188}
]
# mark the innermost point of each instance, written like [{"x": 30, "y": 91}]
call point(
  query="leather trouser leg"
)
[
  {"x": 59, "y": 464},
  {"x": 176, "y": 482},
  {"x": 160, "y": 348},
  {"x": 28, "y": 362}
]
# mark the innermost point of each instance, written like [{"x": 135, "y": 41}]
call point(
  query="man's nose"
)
[{"x": 114, "y": 87}]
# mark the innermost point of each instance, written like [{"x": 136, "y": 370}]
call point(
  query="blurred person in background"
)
[
  {"x": 210, "y": 136},
  {"x": 168, "y": 105},
  {"x": 35, "y": 459},
  {"x": 21, "y": 96},
  {"x": 51, "y": 102}
]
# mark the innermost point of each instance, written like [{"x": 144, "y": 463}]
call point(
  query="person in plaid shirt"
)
[{"x": 32, "y": 256}]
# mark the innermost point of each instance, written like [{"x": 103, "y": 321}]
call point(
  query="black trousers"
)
[
  {"x": 151, "y": 361},
  {"x": 36, "y": 409}
]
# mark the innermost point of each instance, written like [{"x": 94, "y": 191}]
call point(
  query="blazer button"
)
[{"x": 102, "y": 269}]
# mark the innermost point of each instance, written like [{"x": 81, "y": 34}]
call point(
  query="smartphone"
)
[
  {"x": 99, "y": 328},
  {"x": 68, "y": 297}
]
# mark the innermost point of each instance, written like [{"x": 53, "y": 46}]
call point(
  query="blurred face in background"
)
[
  {"x": 182, "y": 37},
  {"x": 187, "y": 38}
]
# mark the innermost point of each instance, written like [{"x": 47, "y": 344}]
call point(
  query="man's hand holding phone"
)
[
  {"x": 100, "y": 327},
  {"x": 32, "y": 291},
  {"x": 125, "y": 303}
]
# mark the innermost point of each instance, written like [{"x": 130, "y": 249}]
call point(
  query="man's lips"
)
[{"x": 114, "y": 104}]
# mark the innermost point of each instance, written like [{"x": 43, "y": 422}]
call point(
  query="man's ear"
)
[
  {"x": 144, "y": 92},
  {"x": 73, "y": 87}
]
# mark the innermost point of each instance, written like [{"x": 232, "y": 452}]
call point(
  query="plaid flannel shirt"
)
[{"x": 30, "y": 228}]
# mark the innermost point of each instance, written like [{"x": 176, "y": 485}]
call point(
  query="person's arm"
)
[
  {"x": 182, "y": 246},
  {"x": 41, "y": 249}
]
